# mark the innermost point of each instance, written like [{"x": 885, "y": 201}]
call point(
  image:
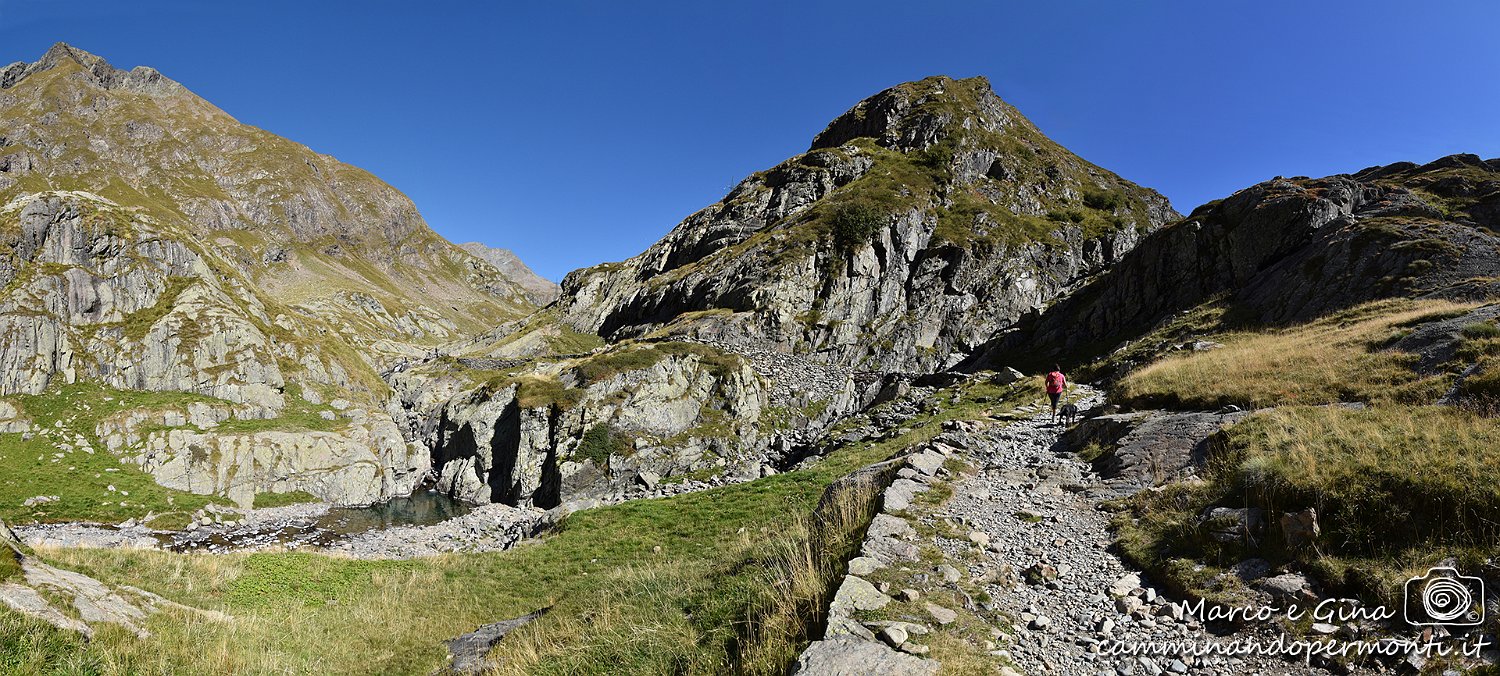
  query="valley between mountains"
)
[{"x": 257, "y": 417}]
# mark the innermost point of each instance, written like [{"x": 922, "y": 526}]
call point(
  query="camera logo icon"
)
[{"x": 1444, "y": 597}]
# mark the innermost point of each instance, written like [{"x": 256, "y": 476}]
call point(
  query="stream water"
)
[{"x": 422, "y": 508}]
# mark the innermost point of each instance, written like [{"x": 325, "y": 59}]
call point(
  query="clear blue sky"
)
[{"x": 580, "y": 132}]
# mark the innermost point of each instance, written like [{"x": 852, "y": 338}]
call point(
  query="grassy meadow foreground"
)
[{"x": 739, "y": 581}]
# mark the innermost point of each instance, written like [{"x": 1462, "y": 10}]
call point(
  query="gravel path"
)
[{"x": 1080, "y": 597}]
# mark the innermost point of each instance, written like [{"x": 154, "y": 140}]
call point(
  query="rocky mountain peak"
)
[
  {"x": 141, "y": 79},
  {"x": 927, "y": 216},
  {"x": 917, "y": 115}
]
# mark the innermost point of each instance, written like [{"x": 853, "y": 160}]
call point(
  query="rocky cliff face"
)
[
  {"x": 538, "y": 289},
  {"x": 148, "y": 241},
  {"x": 921, "y": 222},
  {"x": 555, "y": 429},
  {"x": 1288, "y": 250}
]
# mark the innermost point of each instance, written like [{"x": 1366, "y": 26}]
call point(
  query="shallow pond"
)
[{"x": 422, "y": 508}]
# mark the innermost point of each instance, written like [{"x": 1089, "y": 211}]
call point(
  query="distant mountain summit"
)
[
  {"x": 921, "y": 222},
  {"x": 538, "y": 288}
]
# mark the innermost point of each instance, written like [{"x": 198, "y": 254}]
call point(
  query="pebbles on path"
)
[{"x": 1080, "y": 597}]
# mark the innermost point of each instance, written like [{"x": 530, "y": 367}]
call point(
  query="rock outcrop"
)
[
  {"x": 36, "y": 587},
  {"x": 583, "y": 427},
  {"x": 359, "y": 459},
  {"x": 1288, "y": 250},
  {"x": 921, "y": 222},
  {"x": 1144, "y": 449},
  {"x": 95, "y": 291}
]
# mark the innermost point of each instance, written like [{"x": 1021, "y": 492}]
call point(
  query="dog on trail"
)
[{"x": 1069, "y": 413}]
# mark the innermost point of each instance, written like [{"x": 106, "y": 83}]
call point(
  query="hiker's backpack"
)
[{"x": 1055, "y": 382}]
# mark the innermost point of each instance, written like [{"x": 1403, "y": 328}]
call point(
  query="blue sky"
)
[{"x": 580, "y": 132}]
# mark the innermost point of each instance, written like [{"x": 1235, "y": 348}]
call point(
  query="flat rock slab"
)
[
  {"x": 1146, "y": 447},
  {"x": 27, "y": 601},
  {"x": 854, "y": 657},
  {"x": 899, "y": 496},
  {"x": 889, "y": 550},
  {"x": 467, "y": 653},
  {"x": 943, "y": 615},
  {"x": 94, "y": 601},
  {"x": 926, "y": 462},
  {"x": 856, "y": 594},
  {"x": 885, "y": 525},
  {"x": 864, "y": 565}
]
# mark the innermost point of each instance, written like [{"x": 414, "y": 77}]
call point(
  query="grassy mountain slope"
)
[
  {"x": 1379, "y": 418},
  {"x": 307, "y": 230},
  {"x": 149, "y": 241}
]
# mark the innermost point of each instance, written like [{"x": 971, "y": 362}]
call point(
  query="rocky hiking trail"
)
[{"x": 1017, "y": 560}]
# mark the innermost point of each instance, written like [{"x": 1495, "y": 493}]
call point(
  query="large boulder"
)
[{"x": 1146, "y": 448}]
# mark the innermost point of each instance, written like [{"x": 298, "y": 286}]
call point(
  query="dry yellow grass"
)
[
  {"x": 1397, "y": 485},
  {"x": 1381, "y": 477},
  {"x": 1337, "y": 358}
]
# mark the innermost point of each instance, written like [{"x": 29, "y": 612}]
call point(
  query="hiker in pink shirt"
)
[{"x": 1057, "y": 383}]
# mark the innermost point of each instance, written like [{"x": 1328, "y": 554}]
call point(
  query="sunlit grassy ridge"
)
[
  {"x": 1338, "y": 358},
  {"x": 737, "y": 584},
  {"x": 1395, "y": 488}
]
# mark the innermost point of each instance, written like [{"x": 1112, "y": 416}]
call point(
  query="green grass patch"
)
[
  {"x": 32, "y": 467},
  {"x": 299, "y": 415},
  {"x": 1481, "y": 331},
  {"x": 599, "y": 443},
  {"x": 541, "y": 392},
  {"x": 263, "y": 500},
  {"x": 29, "y": 646},
  {"x": 610, "y": 364},
  {"x": 306, "y": 579},
  {"x": 854, "y": 223},
  {"x": 137, "y": 324},
  {"x": 569, "y": 340},
  {"x": 10, "y": 566},
  {"x": 81, "y": 481},
  {"x": 1091, "y": 452}
]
